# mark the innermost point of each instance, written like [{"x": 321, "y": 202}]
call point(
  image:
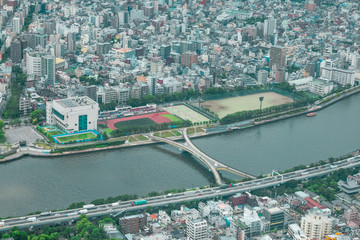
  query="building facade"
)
[{"x": 73, "y": 114}]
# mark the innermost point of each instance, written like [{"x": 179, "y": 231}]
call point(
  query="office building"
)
[
  {"x": 276, "y": 217},
  {"x": 15, "y": 51},
  {"x": 196, "y": 229},
  {"x": 132, "y": 224},
  {"x": 316, "y": 224},
  {"x": 123, "y": 17},
  {"x": 269, "y": 27},
  {"x": 48, "y": 69},
  {"x": 71, "y": 42},
  {"x": 278, "y": 56},
  {"x": 73, "y": 114}
]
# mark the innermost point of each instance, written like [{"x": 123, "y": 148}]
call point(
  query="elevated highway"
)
[{"x": 114, "y": 209}]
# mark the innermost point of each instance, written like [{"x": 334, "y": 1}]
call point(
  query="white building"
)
[
  {"x": 262, "y": 76},
  {"x": 320, "y": 87},
  {"x": 301, "y": 84},
  {"x": 340, "y": 76},
  {"x": 296, "y": 233},
  {"x": 316, "y": 224},
  {"x": 197, "y": 229},
  {"x": 34, "y": 63},
  {"x": 16, "y": 25},
  {"x": 73, "y": 114}
]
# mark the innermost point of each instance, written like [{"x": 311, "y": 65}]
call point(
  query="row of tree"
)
[
  {"x": 149, "y": 128},
  {"x": 2, "y": 134},
  {"x": 18, "y": 80},
  {"x": 83, "y": 230}
]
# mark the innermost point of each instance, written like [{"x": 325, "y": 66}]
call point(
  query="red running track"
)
[{"x": 156, "y": 117}]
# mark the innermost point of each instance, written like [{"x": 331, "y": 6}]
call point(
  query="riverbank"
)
[{"x": 28, "y": 151}]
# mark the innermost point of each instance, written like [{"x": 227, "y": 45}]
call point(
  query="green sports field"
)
[
  {"x": 143, "y": 122},
  {"x": 80, "y": 136},
  {"x": 171, "y": 117}
]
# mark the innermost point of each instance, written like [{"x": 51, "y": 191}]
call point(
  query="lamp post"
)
[{"x": 261, "y": 99}]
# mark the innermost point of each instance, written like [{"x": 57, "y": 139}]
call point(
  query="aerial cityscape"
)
[{"x": 179, "y": 119}]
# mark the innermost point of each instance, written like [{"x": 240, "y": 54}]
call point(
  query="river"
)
[{"x": 40, "y": 184}]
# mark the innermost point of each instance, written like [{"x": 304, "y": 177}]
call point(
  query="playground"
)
[{"x": 227, "y": 106}]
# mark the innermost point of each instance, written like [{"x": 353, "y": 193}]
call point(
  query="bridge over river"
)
[{"x": 213, "y": 165}]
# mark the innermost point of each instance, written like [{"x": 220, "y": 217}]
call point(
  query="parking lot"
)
[{"x": 16, "y": 134}]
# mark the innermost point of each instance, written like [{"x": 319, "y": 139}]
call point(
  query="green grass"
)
[
  {"x": 198, "y": 129},
  {"x": 144, "y": 122},
  {"x": 80, "y": 136},
  {"x": 166, "y": 134},
  {"x": 132, "y": 139},
  {"x": 53, "y": 133},
  {"x": 141, "y": 137},
  {"x": 157, "y": 134},
  {"x": 108, "y": 131},
  {"x": 171, "y": 117},
  {"x": 177, "y": 133}
]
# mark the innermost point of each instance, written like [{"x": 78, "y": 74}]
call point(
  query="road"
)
[{"x": 118, "y": 207}]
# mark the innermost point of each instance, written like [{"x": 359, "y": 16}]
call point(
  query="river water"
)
[{"x": 39, "y": 184}]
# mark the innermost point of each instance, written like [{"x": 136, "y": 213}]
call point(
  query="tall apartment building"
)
[
  {"x": 71, "y": 42},
  {"x": 16, "y": 25},
  {"x": 278, "y": 56},
  {"x": 262, "y": 76},
  {"x": 48, "y": 69},
  {"x": 196, "y": 229},
  {"x": 269, "y": 27},
  {"x": 188, "y": 58},
  {"x": 316, "y": 224},
  {"x": 15, "y": 53},
  {"x": 34, "y": 63},
  {"x": 132, "y": 224}
]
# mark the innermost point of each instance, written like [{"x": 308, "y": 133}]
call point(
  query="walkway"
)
[{"x": 213, "y": 165}]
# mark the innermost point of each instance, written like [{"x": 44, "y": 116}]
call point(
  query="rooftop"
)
[{"x": 75, "y": 102}]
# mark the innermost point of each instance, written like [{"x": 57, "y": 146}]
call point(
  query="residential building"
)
[
  {"x": 321, "y": 88},
  {"x": 316, "y": 224},
  {"x": 269, "y": 27},
  {"x": 15, "y": 53},
  {"x": 132, "y": 224},
  {"x": 48, "y": 69},
  {"x": 197, "y": 229}
]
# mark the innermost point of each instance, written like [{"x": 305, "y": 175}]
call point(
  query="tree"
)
[
  {"x": 2, "y": 124},
  {"x": 36, "y": 116}
]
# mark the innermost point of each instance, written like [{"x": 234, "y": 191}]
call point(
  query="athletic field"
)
[
  {"x": 139, "y": 120},
  {"x": 186, "y": 113},
  {"x": 227, "y": 106}
]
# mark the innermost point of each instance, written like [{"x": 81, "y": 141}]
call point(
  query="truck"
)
[
  {"x": 226, "y": 186},
  {"x": 139, "y": 202},
  {"x": 115, "y": 204},
  {"x": 2, "y": 224},
  {"x": 83, "y": 211},
  {"x": 45, "y": 213},
  {"x": 89, "y": 206},
  {"x": 31, "y": 219}
]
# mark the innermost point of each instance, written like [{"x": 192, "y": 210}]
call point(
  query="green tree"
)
[{"x": 2, "y": 124}]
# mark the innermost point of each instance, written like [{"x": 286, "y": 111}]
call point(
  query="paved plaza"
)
[{"x": 27, "y": 133}]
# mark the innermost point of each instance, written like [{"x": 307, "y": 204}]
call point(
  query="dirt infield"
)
[
  {"x": 156, "y": 117},
  {"x": 186, "y": 113},
  {"x": 227, "y": 106}
]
